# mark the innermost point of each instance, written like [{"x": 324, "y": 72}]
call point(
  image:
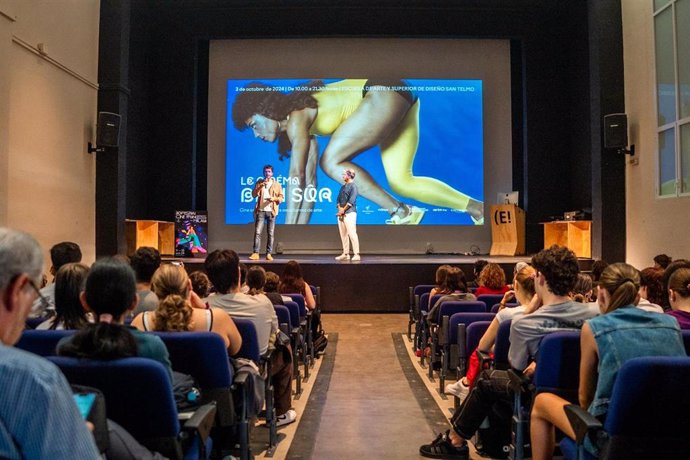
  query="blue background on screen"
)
[{"x": 451, "y": 149}]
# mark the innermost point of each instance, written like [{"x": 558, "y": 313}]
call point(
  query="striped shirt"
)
[{"x": 38, "y": 416}]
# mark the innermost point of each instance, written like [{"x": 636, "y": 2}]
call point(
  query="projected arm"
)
[
  {"x": 304, "y": 215},
  {"x": 298, "y": 132}
]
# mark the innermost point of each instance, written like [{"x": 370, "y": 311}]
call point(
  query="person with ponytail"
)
[
  {"x": 620, "y": 333},
  {"x": 69, "y": 313},
  {"x": 679, "y": 296},
  {"x": 175, "y": 313},
  {"x": 110, "y": 294}
]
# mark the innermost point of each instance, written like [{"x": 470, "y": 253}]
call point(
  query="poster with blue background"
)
[{"x": 450, "y": 149}]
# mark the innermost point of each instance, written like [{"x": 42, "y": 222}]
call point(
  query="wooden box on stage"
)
[
  {"x": 507, "y": 230},
  {"x": 154, "y": 233},
  {"x": 575, "y": 234}
]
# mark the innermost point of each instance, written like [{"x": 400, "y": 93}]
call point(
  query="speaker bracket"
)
[
  {"x": 92, "y": 149},
  {"x": 630, "y": 151}
]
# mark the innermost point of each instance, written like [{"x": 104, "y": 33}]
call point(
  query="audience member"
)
[
  {"x": 662, "y": 261},
  {"x": 651, "y": 290},
  {"x": 271, "y": 289},
  {"x": 492, "y": 280},
  {"x": 256, "y": 279},
  {"x": 110, "y": 294},
  {"x": 679, "y": 296},
  {"x": 223, "y": 268},
  {"x": 582, "y": 291},
  {"x": 598, "y": 267},
  {"x": 243, "y": 278},
  {"x": 201, "y": 285},
  {"x": 60, "y": 254},
  {"x": 523, "y": 292},
  {"x": 175, "y": 313},
  {"x": 556, "y": 270},
  {"x": 441, "y": 284},
  {"x": 621, "y": 333},
  {"x": 477, "y": 268},
  {"x": 38, "y": 416},
  {"x": 292, "y": 282},
  {"x": 145, "y": 261},
  {"x": 69, "y": 284},
  {"x": 672, "y": 267},
  {"x": 455, "y": 290}
]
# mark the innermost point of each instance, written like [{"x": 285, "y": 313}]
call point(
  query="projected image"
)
[{"x": 416, "y": 146}]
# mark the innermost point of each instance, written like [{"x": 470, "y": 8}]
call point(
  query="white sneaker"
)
[
  {"x": 342, "y": 257},
  {"x": 356, "y": 257},
  {"x": 287, "y": 418},
  {"x": 457, "y": 389}
]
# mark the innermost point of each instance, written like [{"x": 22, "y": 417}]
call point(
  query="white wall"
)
[
  {"x": 654, "y": 225},
  {"x": 48, "y": 110}
]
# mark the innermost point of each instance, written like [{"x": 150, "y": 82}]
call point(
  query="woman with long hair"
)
[
  {"x": 175, "y": 313},
  {"x": 620, "y": 333},
  {"x": 292, "y": 282},
  {"x": 110, "y": 294},
  {"x": 357, "y": 115},
  {"x": 69, "y": 284}
]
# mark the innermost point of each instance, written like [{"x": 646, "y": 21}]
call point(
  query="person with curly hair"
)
[
  {"x": 175, "y": 313},
  {"x": 357, "y": 115},
  {"x": 492, "y": 280}
]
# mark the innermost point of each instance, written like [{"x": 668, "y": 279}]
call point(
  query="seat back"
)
[
  {"x": 138, "y": 393},
  {"x": 422, "y": 288},
  {"x": 558, "y": 365},
  {"x": 459, "y": 306},
  {"x": 283, "y": 315},
  {"x": 686, "y": 340},
  {"x": 299, "y": 300},
  {"x": 424, "y": 302},
  {"x": 648, "y": 410},
  {"x": 475, "y": 331},
  {"x": 502, "y": 345},
  {"x": 42, "y": 343},
  {"x": 250, "y": 340},
  {"x": 32, "y": 323},
  {"x": 316, "y": 292},
  {"x": 490, "y": 299},
  {"x": 293, "y": 309},
  {"x": 466, "y": 319}
]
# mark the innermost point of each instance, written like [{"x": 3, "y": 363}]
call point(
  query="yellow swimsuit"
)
[{"x": 337, "y": 101}]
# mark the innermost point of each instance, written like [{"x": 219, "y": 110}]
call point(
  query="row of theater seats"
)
[
  {"x": 648, "y": 413},
  {"x": 139, "y": 395}
]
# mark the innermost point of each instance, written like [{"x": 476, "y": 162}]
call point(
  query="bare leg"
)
[
  {"x": 378, "y": 114},
  {"x": 547, "y": 412}
]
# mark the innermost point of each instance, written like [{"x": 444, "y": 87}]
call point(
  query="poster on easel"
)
[{"x": 191, "y": 233}]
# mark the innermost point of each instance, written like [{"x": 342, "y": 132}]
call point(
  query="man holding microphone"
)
[
  {"x": 269, "y": 195},
  {"x": 347, "y": 216}
]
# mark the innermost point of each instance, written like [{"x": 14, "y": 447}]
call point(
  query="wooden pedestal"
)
[
  {"x": 507, "y": 230},
  {"x": 575, "y": 234},
  {"x": 154, "y": 233}
]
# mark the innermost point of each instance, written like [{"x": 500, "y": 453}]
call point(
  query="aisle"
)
[{"x": 370, "y": 410}]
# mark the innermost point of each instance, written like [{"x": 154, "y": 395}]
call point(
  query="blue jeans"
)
[{"x": 261, "y": 217}]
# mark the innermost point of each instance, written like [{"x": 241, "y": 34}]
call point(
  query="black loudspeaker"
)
[
  {"x": 616, "y": 131},
  {"x": 108, "y": 129}
]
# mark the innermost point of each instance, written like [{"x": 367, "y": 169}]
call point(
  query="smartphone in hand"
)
[{"x": 84, "y": 403}]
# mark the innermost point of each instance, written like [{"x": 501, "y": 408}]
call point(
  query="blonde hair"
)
[
  {"x": 174, "y": 313},
  {"x": 525, "y": 278},
  {"x": 622, "y": 282}
]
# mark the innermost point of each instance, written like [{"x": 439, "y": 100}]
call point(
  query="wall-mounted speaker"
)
[
  {"x": 616, "y": 131},
  {"x": 108, "y": 129}
]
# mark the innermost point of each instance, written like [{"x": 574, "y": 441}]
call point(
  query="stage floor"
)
[{"x": 377, "y": 283}]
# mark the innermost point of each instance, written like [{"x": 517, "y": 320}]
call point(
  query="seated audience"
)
[
  {"x": 243, "y": 278},
  {"x": 201, "y": 285},
  {"x": 662, "y": 261},
  {"x": 582, "y": 291},
  {"x": 672, "y": 267},
  {"x": 441, "y": 284},
  {"x": 175, "y": 313},
  {"x": 492, "y": 280},
  {"x": 69, "y": 313},
  {"x": 145, "y": 261},
  {"x": 455, "y": 288},
  {"x": 621, "y": 333},
  {"x": 476, "y": 271},
  {"x": 38, "y": 416},
  {"x": 271, "y": 289},
  {"x": 223, "y": 268},
  {"x": 292, "y": 282},
  {"x": 556, "y": 270},
  {"x": 679, "y": 296},
  {"x": 110, "y": 294},
  {"x": 60, "y": 254},
  {"x": 523, "y": 292},
  {"x": 651, "y": 290}
]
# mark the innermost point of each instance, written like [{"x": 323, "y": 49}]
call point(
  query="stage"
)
[{"x": 377, "y": 283}]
